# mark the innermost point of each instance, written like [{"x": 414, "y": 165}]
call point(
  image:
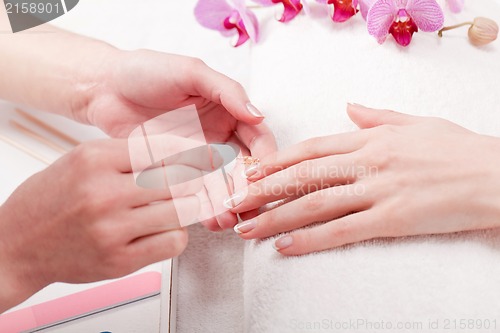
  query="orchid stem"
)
[{"x": 451, "y": 27}]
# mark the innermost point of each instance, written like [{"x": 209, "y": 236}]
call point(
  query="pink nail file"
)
[{"x": 82, "y": 303}]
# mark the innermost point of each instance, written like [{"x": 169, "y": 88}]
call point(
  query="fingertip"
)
[
  {"x": 255, "y": 112},
  {"x": 180, "y": 241},
  {"x": 212, "y": 225}
]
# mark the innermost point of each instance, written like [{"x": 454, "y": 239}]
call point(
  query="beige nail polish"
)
[
  {"x": 235, "y": 199},
  {"x": 254, "y": 111},
  {"x": 245, "y": 226},
  {"x": 283, "y": 243},
  {"x": 252, "y": 170}
]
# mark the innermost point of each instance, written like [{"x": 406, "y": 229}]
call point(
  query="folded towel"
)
[{"x": 303, "y": 74}]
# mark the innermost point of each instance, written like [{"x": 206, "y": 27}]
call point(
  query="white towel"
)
[{"x": 303, "y": 74}]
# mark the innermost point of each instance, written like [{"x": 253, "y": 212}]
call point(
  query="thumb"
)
[
  {"x": 223, "y": 90},
  {"x": 365, "y": 117}
]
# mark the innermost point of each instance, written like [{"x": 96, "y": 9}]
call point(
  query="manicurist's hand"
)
[
  {"x": 84, "y": 219},
  {"x": 118, "y": 90},
  {"x": 398, "y": 175}
]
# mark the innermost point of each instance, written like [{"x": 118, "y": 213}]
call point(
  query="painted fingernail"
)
[
  {"x": 356, "y": 106},
  {"x": 245, "y": 226},
  {"x": 254, "y": 111},
  {"x": 283, "y": 243},
  {"x": 251, "y": 170},
  {"x": 235, "y": 199}
]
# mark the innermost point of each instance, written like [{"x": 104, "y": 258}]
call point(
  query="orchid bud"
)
[{"x": 483, "y": 31}]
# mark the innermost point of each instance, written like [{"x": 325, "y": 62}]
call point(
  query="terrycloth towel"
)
[{"x": 301, "y": 75}]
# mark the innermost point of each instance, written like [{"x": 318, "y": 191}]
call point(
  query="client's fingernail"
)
[
  {"x": 245, "y": 226},
  {"x": 251, "y": 170},
  {"x": 254, "y": 111},
  {"x": 356, "y": 106},
  {"x": 283, "y": 243},
  {"x": 235, "y": 199}
]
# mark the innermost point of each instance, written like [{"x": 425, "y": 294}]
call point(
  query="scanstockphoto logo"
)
[{"x": 24, "y": 14}]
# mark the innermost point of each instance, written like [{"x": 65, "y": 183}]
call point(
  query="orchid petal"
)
[
  {"x": 343, "y": 9},
  {"x": 322, "y": 1},
  {"x": 212, "y": 13},
  {"x": 292, "y": 9},
  {"x": 235, "y": 22},
  {"x": 380, "y": 18},
  {"x": 251, "y": 24},
  {"x": 265, "y": 2},
  {"x": 427, "y": 14},
  {"x": 456, "y": 6},
  {"x": 364, "y": 6},
  {"x": 306, "y": 7}
]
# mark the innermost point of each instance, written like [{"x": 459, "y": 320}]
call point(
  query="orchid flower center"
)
[{"x": 402, "y": 15}]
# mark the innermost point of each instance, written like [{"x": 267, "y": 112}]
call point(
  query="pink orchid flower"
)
[
  {"x": 291, "y": 7},
  {"x": 364, "y": 7},
  {"x": 456, "y": 6},
  {"x": 402, "y": 18},
  {"x": 228, "y": 19},
  {"x": 342, "y": 9}
]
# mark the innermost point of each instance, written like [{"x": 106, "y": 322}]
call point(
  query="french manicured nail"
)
[
  {"x": 356, "y": 106},
  {"x": 251, "y": 170},
  {"x": 235, "y": 199},
  {"x": 254, "y": 111},
  {"x": 283, "y": 243},
  {"x": 245, "y": 226}
]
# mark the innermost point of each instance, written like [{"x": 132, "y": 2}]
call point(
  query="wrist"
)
[
  {"x": 60, "y": 78},
  {"x": 488, "y": 193},
  {"x": 90, "y": 80},
  {"x": 15, "y": 282}
]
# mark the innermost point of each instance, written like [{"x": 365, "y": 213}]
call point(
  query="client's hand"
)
[
  {"x": 399, "y": 175},
  {"x": 84, "y": 219}
]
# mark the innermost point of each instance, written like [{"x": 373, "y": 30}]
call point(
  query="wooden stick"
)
[
  {"x": 48, "y": 128},
  {"x": 38, "y": 137},
  {"x": 24, "y": 149}
]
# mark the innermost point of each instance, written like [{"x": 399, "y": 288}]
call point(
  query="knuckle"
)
[
  {"x": 391, "y": 222},
  {"x": 342, "y": 229},
  {"x": 267, "y": 222},
  {"x": 302, "y": 173},
  {"x": 85, "y": 156},
  {"x": 314, "y": 201},
  {"x": 178, "y": 244},
  {"x": 103, "y": 238},
  {"x": 118, "y": 264},
  {"x": 311, "y": 146}
]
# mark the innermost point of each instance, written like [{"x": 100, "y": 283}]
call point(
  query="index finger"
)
[{"x": 259, "y": 139}]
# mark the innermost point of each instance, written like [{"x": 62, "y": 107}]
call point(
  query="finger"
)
[
  {"x": 207, "y": 215},
  {"x": 365, "y": 117},
  {"x": 346, "y": 230},
  {"x": 298, "y": 180},
  {"x": 219, "y": 186},
  {"x": 323, "y": 205},
  {"x": 174, "y": 179},
  {"x": 151, "y": 249},
  {"x": 103, "y": 154},
  {"x": 162, "y": 216},
  {"x": 151, "y": 151},
  {"x": 259, "y": 139},
  {"x": 220, "y": 89},
  {"x": 310, "y": 149}
]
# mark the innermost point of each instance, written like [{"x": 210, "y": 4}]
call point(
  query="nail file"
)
[{"x": 82, "y": 304}]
